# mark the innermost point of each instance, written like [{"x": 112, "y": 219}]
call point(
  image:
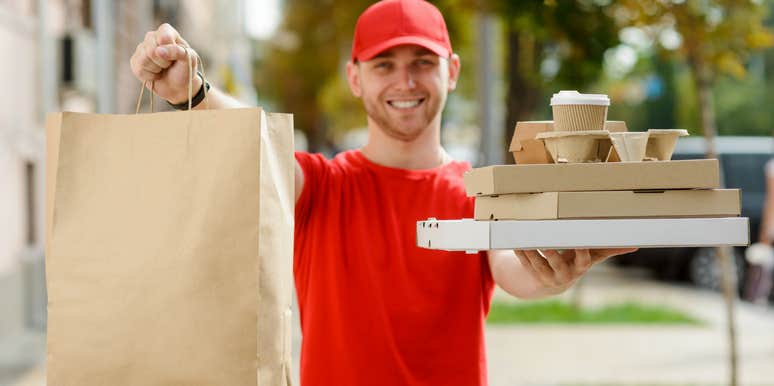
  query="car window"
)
[{"x": 745, "y": 171}]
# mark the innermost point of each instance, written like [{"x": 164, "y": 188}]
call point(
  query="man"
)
[{"x": 375, "y": 309}]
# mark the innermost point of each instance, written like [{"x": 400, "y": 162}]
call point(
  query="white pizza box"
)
[{"x": 473, "y": 235}]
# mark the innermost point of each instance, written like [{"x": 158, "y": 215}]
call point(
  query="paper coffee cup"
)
[{"x": 574, "y": 111}]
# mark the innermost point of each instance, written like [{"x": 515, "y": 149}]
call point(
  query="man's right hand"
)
[{"x": 162, "y": 58}]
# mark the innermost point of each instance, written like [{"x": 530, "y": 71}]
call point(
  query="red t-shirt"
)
[{"x": 375, "y": 308}]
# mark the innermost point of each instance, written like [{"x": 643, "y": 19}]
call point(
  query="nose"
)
[{"x": 406, "y": 79}]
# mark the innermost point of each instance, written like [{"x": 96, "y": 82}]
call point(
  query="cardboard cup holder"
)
[
  {"x": 574, "y": 146},
  {"x": 630, "y": 146},
  {"x": 661, "y": 143},
  {"x": 580, "y": 133}
]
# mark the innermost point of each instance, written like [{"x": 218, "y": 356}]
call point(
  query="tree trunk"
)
[
  {"x": 728, "y": 282},
  {"x": 521, "y": 68},
  {"x": 703, "y": 81},
  {"x": 706, "y": 109}
]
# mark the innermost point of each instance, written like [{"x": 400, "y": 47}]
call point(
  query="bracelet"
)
[{"x": 198, "y": 98}]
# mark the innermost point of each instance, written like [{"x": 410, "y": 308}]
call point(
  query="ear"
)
[
  {"x": 353, "y": 78},
  {"x": 454, "y": 71}
]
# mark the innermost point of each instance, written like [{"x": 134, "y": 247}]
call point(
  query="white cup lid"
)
[{"x": 572, "y": 97}]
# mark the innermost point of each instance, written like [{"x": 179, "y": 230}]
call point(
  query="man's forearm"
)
[
  {"x": 217, "y": 99},
  {"x": 514, "y": 279}
]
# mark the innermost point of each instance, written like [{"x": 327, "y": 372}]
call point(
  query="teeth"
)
[{"x": 405, "y": 104}]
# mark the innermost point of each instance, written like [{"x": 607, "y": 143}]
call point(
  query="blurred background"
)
[{"x": 701, "y": 65}]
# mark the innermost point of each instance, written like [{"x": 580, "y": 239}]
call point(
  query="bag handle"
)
[{"x": 192, "y": 74}]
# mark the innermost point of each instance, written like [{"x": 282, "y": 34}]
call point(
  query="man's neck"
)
[{"x": 424, "y": 152}]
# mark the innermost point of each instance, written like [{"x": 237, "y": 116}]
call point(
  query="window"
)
[{"x": 29, "y": 183}]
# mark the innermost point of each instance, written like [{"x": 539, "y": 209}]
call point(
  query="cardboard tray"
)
[{"x": 471, "y": 235}]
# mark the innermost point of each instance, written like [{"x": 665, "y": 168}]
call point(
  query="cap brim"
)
[{"x": 370, "y": 52}]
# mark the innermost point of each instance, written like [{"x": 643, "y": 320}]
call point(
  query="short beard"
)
[{"x": 378, "y": 114}]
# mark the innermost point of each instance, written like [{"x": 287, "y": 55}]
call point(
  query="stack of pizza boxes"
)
[{"x": 581, "y": 166}]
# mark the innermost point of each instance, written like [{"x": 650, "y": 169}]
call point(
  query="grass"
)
[{"x": 555, "y": 311}]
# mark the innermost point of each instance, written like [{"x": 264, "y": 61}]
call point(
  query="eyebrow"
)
[
  {"x": 423, "y": 51},
  {"x": 384, "y": 54}
]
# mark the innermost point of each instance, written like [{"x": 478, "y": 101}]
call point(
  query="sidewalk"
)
[
  {"x": 548, "y": 355},
  {"x": 635, "y": 355}
]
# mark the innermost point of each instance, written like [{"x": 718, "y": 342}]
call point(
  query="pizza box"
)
[
  {"x": 610, "y": 204},
  {"x": 472, "y": 235},
  {"x": 598, "y": 176}
]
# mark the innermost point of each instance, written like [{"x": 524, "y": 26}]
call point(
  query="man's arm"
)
[
  {"x": 532, "y": 274},
  {"x": 768, "y": 210}
]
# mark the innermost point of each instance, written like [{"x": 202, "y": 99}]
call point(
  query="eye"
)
[
  {"x": 385, "y": 65},
  {"x": 425, "y": 62}
]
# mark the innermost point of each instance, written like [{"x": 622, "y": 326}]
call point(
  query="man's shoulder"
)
[{"x": 344, "y": 159}]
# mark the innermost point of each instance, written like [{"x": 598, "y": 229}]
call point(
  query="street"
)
[{"x": 547, "y": 355}]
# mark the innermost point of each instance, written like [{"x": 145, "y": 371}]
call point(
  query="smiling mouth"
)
[{"x": 405, "y": 105}]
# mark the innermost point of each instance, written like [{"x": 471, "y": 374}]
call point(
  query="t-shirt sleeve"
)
[{"x": 315, "y": 168}]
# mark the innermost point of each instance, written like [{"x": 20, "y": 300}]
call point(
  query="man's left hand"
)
[{"x": 558, "y": 270}]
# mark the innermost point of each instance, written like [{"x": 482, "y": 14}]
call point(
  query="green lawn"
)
[{"x": 555, "y": 311}]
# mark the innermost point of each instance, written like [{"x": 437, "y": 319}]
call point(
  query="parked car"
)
[{"x": 742, "y": 161}]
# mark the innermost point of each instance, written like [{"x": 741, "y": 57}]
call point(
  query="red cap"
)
[{"x": 391, "y": 23}]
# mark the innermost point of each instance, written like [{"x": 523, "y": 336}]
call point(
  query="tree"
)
[
  {"x": 718, "y": 37},
  {"x": 305, "y": 57},
  {"x": 551, "y": 45}
]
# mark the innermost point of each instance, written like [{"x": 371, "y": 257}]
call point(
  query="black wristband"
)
[{"x": 198, "y": 98}]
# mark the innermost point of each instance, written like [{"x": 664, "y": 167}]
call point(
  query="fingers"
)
[
  {"x": 559, "y": 264},
  {"x": 173, "y": 52},
  {"x": 158, "y": 50},
  {"x": 526, "y": 264},
  {"x": 597, "y": 255},
  {"x": 539, "y": 265},
  {"x": 148, "y": 76},
  {"x": 166, "y": 34},
  {"x": 582, "y": 261},
  {"x": 151, "y": 59},
  {"x": 559, "y": 269}
]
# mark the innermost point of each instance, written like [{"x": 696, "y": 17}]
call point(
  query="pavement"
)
[
  {"x": 635, "y": 355},
  {"x": 549, "y": 355}
]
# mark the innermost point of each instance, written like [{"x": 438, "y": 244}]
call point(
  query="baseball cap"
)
[{"x": 391, "y": 23}]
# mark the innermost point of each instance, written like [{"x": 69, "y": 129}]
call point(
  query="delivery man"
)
[{"x": 375, "y": 308}]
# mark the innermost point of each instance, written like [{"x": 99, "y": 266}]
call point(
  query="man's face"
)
[{"x": 404, "y": 89}]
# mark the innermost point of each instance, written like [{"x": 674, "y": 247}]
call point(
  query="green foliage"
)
[
  {"x": 310, "y": 49},
  {"x": 302, "y": 70},
  {"x": 561, "y": 312},
  {"x": 718, "y": 35}
]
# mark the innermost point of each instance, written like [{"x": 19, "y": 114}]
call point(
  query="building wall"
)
[{"x": 18, "y": 123}]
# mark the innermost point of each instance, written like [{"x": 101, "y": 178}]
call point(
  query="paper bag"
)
[{"x": 169, "y": 248}]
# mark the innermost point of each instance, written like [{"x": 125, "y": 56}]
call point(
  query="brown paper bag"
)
[{"x": 169, "y": 248}]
